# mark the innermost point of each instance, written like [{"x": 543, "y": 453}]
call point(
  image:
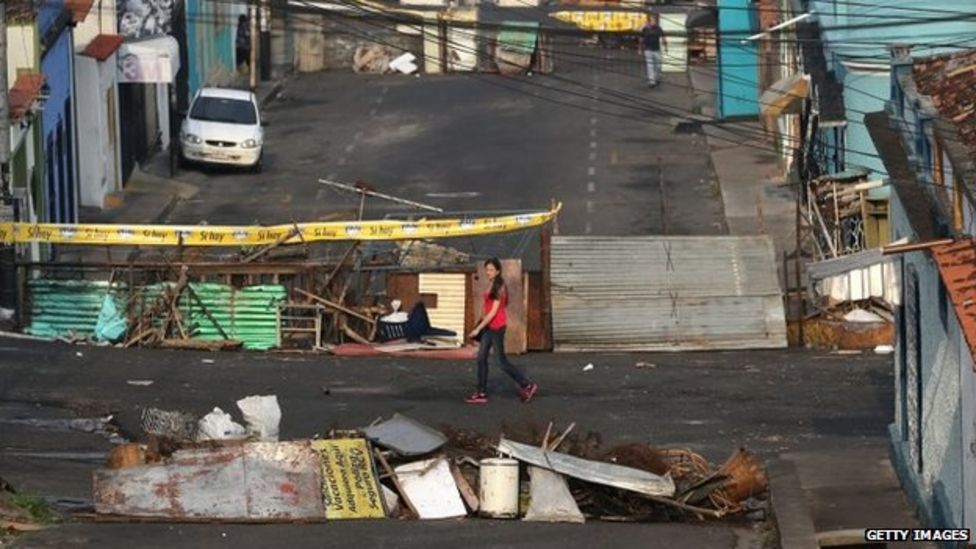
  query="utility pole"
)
[
  {"x": 265, "y": 40},
  {"x": 253, "y": 21},
  {"x": 4, "y": 107}
]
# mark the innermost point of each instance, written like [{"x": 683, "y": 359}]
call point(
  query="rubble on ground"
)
[{"x": 402, "y": 468}]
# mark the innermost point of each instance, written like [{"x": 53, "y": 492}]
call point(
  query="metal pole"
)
[
  {"x": 367, "y": 192},
  {"x": 802, "y": 304},
  {"x": 253, "y": 22},
  {"x": 265, "y": 40},
  {"x": 174, "y": 131},
  {"x": 4, "y": 107},
  {"x": 662, "y": 196}
]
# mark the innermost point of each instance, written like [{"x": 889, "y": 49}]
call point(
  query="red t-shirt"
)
[{"x": 500, "y": 320}]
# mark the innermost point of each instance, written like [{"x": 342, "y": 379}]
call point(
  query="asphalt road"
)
[
  {"x": 592, "y": 136},
  {"x": 770, "y": 402}
]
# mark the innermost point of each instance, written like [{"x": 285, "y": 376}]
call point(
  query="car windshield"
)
[{"x": 222, "y": 109}]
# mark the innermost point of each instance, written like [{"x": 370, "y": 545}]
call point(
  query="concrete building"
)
[
  {"x": 55, "y": 20},
  {"x": 928, "y": 142},
  {"x": 856, "y": 37},
  {"x": 96, "y": 88},
  {"x": 738, "y": 62}
]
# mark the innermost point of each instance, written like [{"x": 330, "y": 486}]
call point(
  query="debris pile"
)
[
  {"x": 21, "y": 514},
  {"x": 401, "y": 468},
  {"x": 291, "y": 287}
]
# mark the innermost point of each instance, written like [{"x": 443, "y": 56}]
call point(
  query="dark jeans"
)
[
  {"x": 243, "y": 57},
  {"x": 496, "y": 338}
]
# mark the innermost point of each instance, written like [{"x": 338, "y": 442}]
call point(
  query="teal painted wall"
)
[
  {"x": 210, "y": 31},
  {"x": 738, "y": 78},
  {"x": 864, "y": 93}
]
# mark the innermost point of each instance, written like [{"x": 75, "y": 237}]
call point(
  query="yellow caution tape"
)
[
  {"x": 205, "y": 235},
  {"x": 604, "y": 21}
]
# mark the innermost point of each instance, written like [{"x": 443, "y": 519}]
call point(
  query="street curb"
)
[
  {"x": 272, "y": 93},
  {"x": 174, "y": 199},
  {"x": 793, "y": 518}
]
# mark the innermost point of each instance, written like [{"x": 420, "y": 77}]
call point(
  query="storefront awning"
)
[
  {"x": 785, "y": 96},
  {"x": 24, "y": 93},
  {"x": 152, "y": 61}
]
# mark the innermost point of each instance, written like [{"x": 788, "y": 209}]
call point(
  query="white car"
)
[{"x": 223, "y": 126}]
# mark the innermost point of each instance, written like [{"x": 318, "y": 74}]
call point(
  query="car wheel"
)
[{"x": 258, "y": 166}]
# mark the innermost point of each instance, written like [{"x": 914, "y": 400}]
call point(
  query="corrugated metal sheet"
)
[
  {"x": 248, "y": 314},
  {"x": 62, "y": 307},
  {"x": 451, "y": 299},
  {"x": 665, "y": 293}
]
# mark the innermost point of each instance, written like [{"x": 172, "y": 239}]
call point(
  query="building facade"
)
[{"x": 929, "y": 149}]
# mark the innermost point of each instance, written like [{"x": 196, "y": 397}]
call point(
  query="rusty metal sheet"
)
[{"x": 261, "y": 481}]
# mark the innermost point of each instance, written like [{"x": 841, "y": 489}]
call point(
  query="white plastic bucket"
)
[{"x": 499, "y": 488}]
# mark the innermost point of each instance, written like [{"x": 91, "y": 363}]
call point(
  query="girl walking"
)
[{"x": 491, "y": 332}]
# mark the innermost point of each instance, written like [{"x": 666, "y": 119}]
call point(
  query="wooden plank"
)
[
  {"x": 535, "y": 328},
  {"x": 429, "y": 300},
  {"x": 469, "y": 317},
  {"x": 468, "y": 493},
  {"x": 405, "y": 287},
  {"x": 335, "y": 306}
]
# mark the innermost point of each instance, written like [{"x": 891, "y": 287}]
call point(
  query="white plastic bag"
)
[
  {"x": 219, "y": 425},
  {"x": 262, "y": 415}
]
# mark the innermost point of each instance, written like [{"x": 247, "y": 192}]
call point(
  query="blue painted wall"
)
[
  {"x": 57, "y": 120},
  {"x": 211, "y": 28},
  {"x": 738, "y": 79},
  {"x": 863, "y": 93},
  {"x": 942, "y": 30},
  {"x": 894, "y": 22},
  {"x": 935, "y": 484}
]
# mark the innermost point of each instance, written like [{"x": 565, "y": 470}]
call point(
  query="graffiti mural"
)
[{"x": 146, "y": 18}]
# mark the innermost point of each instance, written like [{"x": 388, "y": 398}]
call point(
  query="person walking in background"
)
[
  {"x": 651, "y": 39},
  {"x": 243, "y": 42},
  {"x": 491, "y": 333}
]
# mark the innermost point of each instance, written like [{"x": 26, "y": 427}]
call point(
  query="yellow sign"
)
[
  {"x": 604, "y": 21},
  {"x": 204, "y": 235},
  {"x": 349, "y": 482}
]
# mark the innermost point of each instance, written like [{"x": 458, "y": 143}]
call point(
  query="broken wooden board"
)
[
  {"x": 467, "y": 492},
  {"x": 551, "y": 500},
  {"x": 608, "y": 474},
  {"x": 277, "y": 482},
  {"x": 430, "y": 486},
  {"x": 350, "y": 486}
]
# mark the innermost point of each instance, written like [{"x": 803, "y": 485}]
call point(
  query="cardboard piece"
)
[
  {"x": 349, "y": 482},
  {"x": 430, "y": 486}
]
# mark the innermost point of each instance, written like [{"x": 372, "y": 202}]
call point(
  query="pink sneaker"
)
[
  {"x": 477, "y": 398},
  {"x": 528, "y": 392}
]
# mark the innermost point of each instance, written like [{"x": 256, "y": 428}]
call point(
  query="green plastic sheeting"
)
[
  {"x": 64, "y": 307},
  {"x": 518, "y": 37},
  {"x": 111, "y": 324},
  {"x": 246, "y": 314}
]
